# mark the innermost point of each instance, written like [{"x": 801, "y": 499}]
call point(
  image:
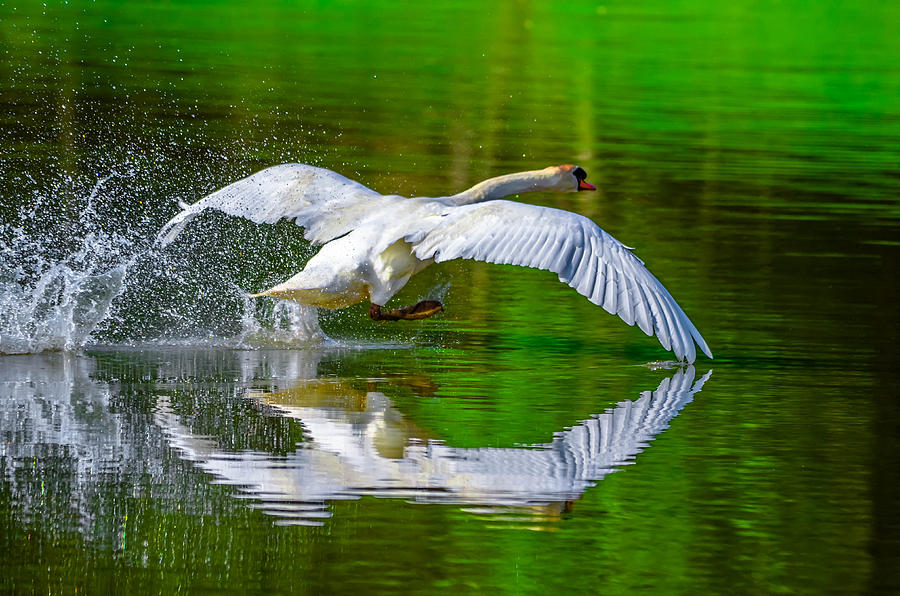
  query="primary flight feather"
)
[{"x": 373, "y": 243}]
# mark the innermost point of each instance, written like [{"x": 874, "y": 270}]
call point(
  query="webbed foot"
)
[{"x": 422, "y": 310}]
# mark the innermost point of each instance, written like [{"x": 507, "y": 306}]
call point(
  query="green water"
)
[{"x": 749, "y": 151}]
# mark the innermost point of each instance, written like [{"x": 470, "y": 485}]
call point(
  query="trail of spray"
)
[
  {"x": 49, "y": 302},
  {"x": 71, "y": 275}
]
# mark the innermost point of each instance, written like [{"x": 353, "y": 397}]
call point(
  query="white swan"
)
[{"x": 374, "y": 243}]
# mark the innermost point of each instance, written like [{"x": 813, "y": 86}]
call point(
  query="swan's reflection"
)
[
  {"x": 360, "y": 444},
  {"x": 76, "y": 427}
]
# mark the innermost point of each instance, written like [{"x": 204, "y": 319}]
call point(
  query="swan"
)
[{"x": 372, "y": 243}]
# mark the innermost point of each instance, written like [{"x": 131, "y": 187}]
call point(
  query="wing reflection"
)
[{"x": 360, "y": 444}]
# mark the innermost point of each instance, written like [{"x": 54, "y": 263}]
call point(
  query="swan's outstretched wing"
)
[
  {"x": 572, "y": 246},
  {"x": 325, "y": 203}
]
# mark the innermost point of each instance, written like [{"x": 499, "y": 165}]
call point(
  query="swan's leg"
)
[{"x": 422, "y": 310}]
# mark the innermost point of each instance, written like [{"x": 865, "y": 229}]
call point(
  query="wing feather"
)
[
  {"x": 587, "y": 268},
  {"x": 660, "y": 326},
  {"x": 564, "y": 257},
  {"x": 624, "y": 300},
  {"x": 643, "y": 314},
  {"x": 540, "y": 248},
  {"x": 323, "y": 202},
  {"x": 597, "y": 295},
  {"x": 512, "y": 244},
  {"x": 610, "y": 293},
  {"x": 585, "y": 257}
]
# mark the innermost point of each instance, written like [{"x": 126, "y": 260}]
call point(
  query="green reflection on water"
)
[
  {"x": 112, "y": 493},
  {"x": 748, "y": 151}
]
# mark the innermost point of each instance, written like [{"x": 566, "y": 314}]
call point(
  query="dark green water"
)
[{"x": 517, "y": 443}]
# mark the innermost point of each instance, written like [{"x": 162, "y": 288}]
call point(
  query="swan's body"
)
[{"x": 374, "y": 243}]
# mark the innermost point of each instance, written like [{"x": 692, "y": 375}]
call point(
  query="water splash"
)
[
  {"x": 76, "y": 269},
  {"x": 57, "y": 282},
  {"x": 278, "y": 323}
]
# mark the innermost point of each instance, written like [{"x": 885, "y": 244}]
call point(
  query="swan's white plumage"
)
[
  {"x": 324, "y": 203},
  {"x": 607, "y": 272},
  {"x": 374, "y": 243}
]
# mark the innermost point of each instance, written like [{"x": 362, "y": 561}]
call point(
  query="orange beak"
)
[{"x": 582, "y": 185}]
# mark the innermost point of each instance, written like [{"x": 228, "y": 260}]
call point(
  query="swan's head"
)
[{"x": 570, "y": 178}]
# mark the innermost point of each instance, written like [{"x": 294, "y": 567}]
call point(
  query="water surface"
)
[{"x": 159, "y": 431}]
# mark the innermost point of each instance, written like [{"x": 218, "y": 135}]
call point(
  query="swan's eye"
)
[{"x": 579, "y": 174}]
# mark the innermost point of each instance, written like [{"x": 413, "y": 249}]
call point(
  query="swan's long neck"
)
[{"x": 510, "y": 184}]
